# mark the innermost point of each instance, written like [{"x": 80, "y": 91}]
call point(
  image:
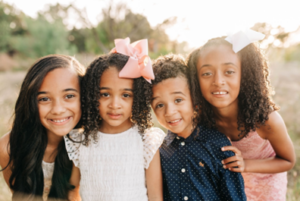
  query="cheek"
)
[{"x": 43, "y": 111}]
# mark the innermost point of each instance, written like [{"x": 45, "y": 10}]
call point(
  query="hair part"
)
[
  {"x": 28, "y": 137},
  {"x": 141, "y": 109},
  {"x": 254, "y": 99}
]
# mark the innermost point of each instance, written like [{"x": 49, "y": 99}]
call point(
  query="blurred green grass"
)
[{"x": 285, "y": 79}]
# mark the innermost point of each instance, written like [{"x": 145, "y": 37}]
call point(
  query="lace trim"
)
[
  {"x": 73, "y": 147},
  {"x": 152, "y": 138}
]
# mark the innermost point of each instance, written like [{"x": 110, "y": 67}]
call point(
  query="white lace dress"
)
[
  {"x": 113, "y": 169},
  {"x": 48, "y": 169}
]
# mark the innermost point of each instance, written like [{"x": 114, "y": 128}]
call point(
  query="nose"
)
[
  {"x": 219, "y": 79},
  {"x": 115, "y": 103},
  {"x": 58, "y": 107},
  {"x": 170, "y": 110}
]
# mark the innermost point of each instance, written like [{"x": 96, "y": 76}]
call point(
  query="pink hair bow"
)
[
  {"x": 241, "y": 39},
  {"x": 139, "y": 63}
]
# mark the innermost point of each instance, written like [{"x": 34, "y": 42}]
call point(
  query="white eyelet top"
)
[
  {"x": 113, "y": 169},
  {"x": 48, "y": 169}
]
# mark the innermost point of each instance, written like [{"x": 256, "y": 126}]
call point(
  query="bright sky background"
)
[{"x": 198, "y": 20}]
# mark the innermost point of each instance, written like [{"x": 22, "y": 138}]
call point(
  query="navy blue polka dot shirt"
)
[{"x": 192, "y": 168}]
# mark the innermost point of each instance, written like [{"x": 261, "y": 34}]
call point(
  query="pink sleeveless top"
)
[{"x": 261, "y": 187}]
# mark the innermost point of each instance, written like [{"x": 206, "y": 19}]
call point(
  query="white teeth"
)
[
  {"x": 220, "y": 92},
  {"x": 174, "y": 121},
  {"x": 60, "y": 121}
]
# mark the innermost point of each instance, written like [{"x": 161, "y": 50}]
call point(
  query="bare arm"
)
[
  {"x": 275, "y": 131},
  {"x": 75, "y": 180},
  {"x": 154, "y": 179},
  {"x": 4, "y": 157}
]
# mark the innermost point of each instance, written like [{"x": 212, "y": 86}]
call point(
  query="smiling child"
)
[{"x": 191, "y": 154}]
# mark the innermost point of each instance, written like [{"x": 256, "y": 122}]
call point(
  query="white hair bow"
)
[{"x": 241, "y": 39}]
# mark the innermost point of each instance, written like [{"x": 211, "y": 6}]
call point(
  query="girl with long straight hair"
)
[{"x": 33, "y": 156}]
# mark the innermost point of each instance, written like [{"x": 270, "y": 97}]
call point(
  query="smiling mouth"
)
[
  {"x": 220, "y": 93},
  {"x": 114, "y": 116},
  {"x": 174, "y": 122},
  {"x": 60, "y": 121}
]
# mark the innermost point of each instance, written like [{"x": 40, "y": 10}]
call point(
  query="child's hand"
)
[{"x": 234, "y": 163}]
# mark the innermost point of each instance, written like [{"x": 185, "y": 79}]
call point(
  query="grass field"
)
[{"x": 285, "y": 79}]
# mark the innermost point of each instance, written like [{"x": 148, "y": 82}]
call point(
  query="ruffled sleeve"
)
[
  {"x": 73, "y": 145},
  {"x": 152, "y": 139}
]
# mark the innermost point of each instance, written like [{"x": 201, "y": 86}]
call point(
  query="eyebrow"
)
[
  {"x": 68, "y": 89},
  {"x": 208, "y": 65},
  {"x": 176, "y": 92},
  {"x": 107, "y": 88}
]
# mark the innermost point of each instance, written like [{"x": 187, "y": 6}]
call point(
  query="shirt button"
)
[
  {"x": 185, "y": 198},
  {"x": 183, "y": 170},
  {"x": 177, "y": 138},
  {"x": 182, "y": 143}
]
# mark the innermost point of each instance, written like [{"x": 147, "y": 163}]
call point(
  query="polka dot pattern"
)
[{"x": 192, "y": 168}]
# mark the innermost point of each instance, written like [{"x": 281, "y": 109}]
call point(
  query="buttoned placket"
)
[{"x": 184, "y": 176}]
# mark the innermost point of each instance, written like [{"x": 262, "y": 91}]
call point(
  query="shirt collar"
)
[{"x": 171, "y": 136}]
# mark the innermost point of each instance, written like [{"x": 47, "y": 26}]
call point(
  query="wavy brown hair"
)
[
  {"x": 141, "y": 109},
  {"x": 172, "y": 66},
  {"x": 28, "y": 137},
  {"x": 254, "y": 99}
]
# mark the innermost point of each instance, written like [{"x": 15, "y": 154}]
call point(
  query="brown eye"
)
[
  {"x": 69, "y": 96},
  {"x": 178, "y": 100},
  {"x": 104, "y": 95},
  {"x": 44, "y": 99},
  {"x": 159, "y": 105}
]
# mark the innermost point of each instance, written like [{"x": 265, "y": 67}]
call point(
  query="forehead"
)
[
  {"x": 170, "y": 86},
  {"x": 110, "y": 78},
  {"x": 218, "y": 54},
  {"x": 59, "y": 79}
]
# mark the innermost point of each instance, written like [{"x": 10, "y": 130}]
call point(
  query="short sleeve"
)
[
  {"x": 231, "y": 184},
  {"x": 152, "y": 140},
  {"x": 73, "y": 143}
]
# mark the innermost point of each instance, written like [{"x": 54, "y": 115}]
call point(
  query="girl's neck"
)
[
  {"x": 228, "y": 114},
  {"x": 110, "y": 129},
  {"x": 51, "y": 149}
]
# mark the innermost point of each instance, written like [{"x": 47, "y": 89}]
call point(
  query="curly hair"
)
[
  {"x": 254, "y": 99},
  {"x": 172, "y": 66},
  {"x": 141, "y": 109}
]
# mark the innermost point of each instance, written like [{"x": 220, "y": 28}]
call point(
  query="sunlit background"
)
[{"x": 30, "y": 29}]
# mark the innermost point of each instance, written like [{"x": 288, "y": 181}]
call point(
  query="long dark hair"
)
[
  {"x": 141, "y": 109},
  {"x": 28, "y": 137},
  {"x": 254, "y": 99}
]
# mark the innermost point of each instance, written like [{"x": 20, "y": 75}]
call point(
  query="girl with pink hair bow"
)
[{"x": 116, "y": 156}]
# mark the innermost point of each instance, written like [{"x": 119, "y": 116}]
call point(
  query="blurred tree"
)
[
  {"x": 11, "y": 24},
  {"x": 275, "y": 36},
  {"x": 43, "y": 38}
]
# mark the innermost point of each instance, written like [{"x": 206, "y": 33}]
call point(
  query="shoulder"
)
[
  {"x": 213, "y": 137},
  {"x": 214, "y": 141},
  {"x": 76, "y": 134},
  {"x": 4, "y": 148},
  {"x": 152, "y": 140},
  {"x": 154, "y": 135},
  {"x": 4, "y": 142},
  {"x": 73, "y": 143},
  {"x": 272, "y": 125}
]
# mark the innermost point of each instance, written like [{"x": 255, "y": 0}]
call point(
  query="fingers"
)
[
  {"x": 231, "y": 159},
  {"x": 231, "y": 148},
  {"x": 237, "y": 166},
  {"x": 239, "y": 169}
]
